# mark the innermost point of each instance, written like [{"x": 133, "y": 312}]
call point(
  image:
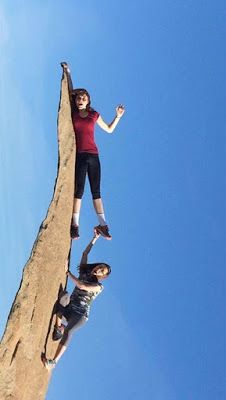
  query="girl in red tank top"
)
[{"x": 84, "y": 119}]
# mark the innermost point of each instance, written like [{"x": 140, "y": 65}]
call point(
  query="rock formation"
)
[{"x": 28, "y": 333}]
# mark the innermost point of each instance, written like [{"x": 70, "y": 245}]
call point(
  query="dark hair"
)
[
  {"x": 75, "y": 93},
  {"x": 85, "y": 271}
]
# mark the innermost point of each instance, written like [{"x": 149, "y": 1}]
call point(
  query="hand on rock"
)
[
  {"x": 65, "y": 67},
  {"x": 66, "y": 267}
]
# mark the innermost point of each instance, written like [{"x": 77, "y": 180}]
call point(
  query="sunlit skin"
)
[
  {"x": 81, "y": 102},
  {"x": 100, "y": 271}
]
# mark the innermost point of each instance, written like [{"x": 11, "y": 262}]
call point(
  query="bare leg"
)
[
  {"x": 98, "y": 205},
  {"x": 50, "y": 363},
  {"x": 75, "y": 219},
  {"x": 66, "y": 69},
  {"x": 77, "y": 205},
  {"x": 58, "y": 328},
  {"x": 101, "y": 229},
  {"x": 59, "y": 352},
  {"x": 74, "y": 323},
  {"x": 58, "y": 321}
]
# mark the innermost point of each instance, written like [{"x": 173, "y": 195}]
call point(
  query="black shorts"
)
[{"x": 74, "y": 322}]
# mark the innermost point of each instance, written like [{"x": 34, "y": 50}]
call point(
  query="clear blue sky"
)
[{"x": 158, "y": 330}]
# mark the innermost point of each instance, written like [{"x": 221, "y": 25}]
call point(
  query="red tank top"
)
[{"x": 84, "y": 132}]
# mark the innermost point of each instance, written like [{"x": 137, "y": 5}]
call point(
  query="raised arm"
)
[
  {"x": 109, "y": 128},
  {"x": 85, "y": 253},
  {"x": 95, "y": 287},
  {"x": 68, "y": 72}
]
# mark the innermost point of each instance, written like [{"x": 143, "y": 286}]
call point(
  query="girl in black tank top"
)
[{"x": 77, "y": 311}]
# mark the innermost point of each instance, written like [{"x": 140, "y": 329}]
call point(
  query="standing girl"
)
[{"x": 87, "y": 159}]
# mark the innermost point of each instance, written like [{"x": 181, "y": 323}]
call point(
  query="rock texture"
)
[{"x": 28, "y": 333}]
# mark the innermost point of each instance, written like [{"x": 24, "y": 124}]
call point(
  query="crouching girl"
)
[{"x": 76, "y": 313}]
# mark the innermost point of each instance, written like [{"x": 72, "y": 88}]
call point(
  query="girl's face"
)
[
  {"x": 100, "y": 271},
  {"x": 81, "y": 101}
]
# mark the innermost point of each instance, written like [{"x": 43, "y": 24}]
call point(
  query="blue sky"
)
[{"x": 158, "y": 330}]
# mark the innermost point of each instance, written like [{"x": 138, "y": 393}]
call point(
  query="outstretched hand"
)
[
  {"x": 120, "y": 109},
  {"x": 65, "y": 66},
  {"x": 96, "y": 235}
]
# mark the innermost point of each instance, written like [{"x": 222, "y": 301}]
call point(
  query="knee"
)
[
  {"x": 59, "y": 314},
  {"x": 78, "y": 193},
  {"x": 96, "y": 194},
  {"x": 65, "y": 338}
]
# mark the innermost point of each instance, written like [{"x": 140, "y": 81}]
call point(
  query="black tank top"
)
[{"x": 81, "y": 300}]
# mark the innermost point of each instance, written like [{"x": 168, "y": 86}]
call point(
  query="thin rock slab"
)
[{"x": 28, "y": 329}]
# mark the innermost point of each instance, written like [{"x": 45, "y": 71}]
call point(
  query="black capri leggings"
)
[{"x": 87, "y": 163}]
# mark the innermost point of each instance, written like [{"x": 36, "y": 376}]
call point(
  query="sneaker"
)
[
  {"x": 74, "y": 232},
  {"x": 49, "y": 364},
  {"x": 103, "y": 231}
]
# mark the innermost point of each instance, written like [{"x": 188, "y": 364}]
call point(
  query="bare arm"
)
[
  {"x": 68, "y": 73},
  {"x": 84, "y": 286},
  {"x": 111, "y": 127},
  {"x": 85, "y": 253}
]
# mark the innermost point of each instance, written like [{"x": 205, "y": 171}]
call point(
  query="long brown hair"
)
[
  {"x": 85, "y": 271},
  {"x": 75, "y": 93}
]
